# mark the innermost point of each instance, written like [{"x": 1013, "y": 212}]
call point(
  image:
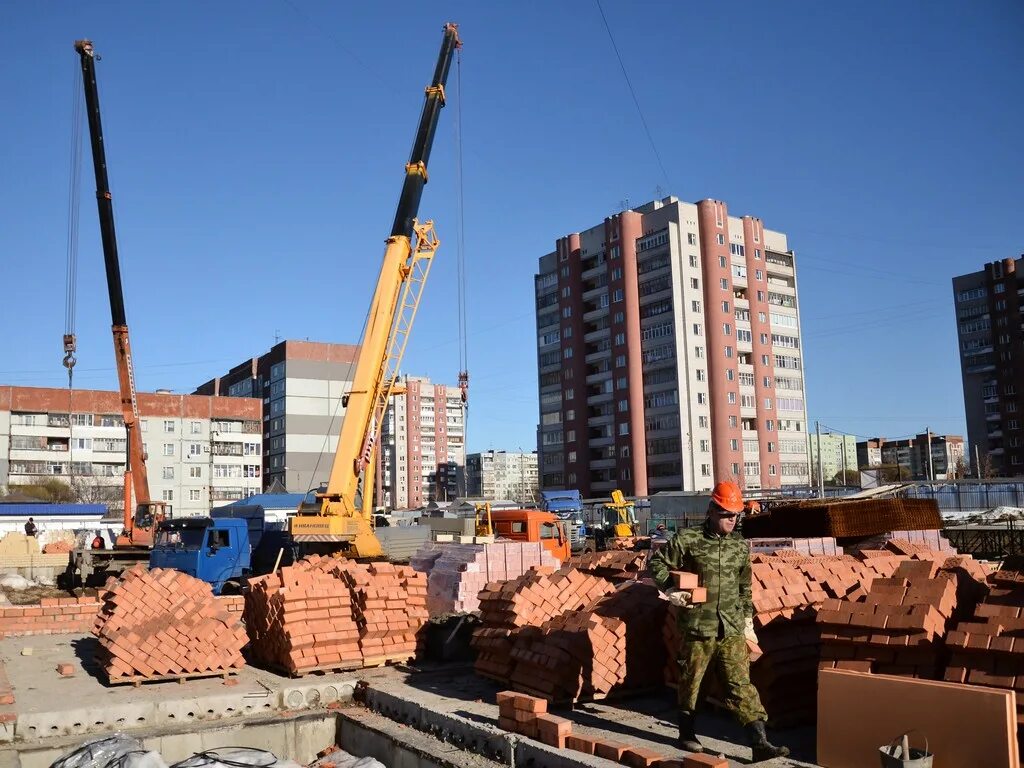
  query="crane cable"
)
[
  {"x": 71, "y": 289},
  {"x": 461, "y": 253}
]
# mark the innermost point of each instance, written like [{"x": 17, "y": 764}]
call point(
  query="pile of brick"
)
[
  {"x": 614, "y": 565},
  {"x": 57, "y": 547},
  {"x": 300, "y": 619},
  {"x": 390, "y": 609},
  {"x": 897, "y": 629},
  {"x": 53, "y": 616},
  {"x": 14, "y": 544},
  {"x": 843, "y": 518},
  {"x": 527, "y": 601},
  {"x": 639, "y": 607},
  {"x": 164, "y": 623},
  {"x": 332, "y": 613},
  {"x": 457, "y": 572},
  {"x": 822, "y": 545},
  {"x": 988, "y": 649}
]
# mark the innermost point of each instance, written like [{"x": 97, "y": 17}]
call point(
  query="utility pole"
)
[
  {"x": 821, "y": 479},
  {"x": 844, "y": 460},
  {"x": 931, "y": 469},
  {"x": 977, "y": 463}
]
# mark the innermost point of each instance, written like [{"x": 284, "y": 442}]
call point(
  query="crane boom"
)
[
  {"x": 336, "y": 517},
  {"x": 136, "y": 477}
]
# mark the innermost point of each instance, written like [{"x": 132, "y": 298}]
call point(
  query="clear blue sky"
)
[{"x": 256, "y": 153}]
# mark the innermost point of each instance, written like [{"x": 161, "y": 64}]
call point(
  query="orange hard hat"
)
[{"x": 728, "y": 496}]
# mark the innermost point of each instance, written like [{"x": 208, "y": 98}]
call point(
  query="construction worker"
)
[
  {"x": 30, "y": 527},
  {"x": 715, "y": 632}
]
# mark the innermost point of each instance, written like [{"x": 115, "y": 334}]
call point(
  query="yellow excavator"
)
[
  {"x": 336, "y": 519},
  {"x": 617, "y": 528},
  {"x": 484, "y": 522}
]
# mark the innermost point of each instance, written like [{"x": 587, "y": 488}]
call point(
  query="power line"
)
[{"x": 632, "y": 92}]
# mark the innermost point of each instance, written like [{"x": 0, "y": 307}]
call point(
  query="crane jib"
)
[{"x": 412, "y": 188}]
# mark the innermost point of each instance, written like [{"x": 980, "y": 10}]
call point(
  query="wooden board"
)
[
  {"x": 138, "y": 680},
  {"x": 967, "y": 726}
]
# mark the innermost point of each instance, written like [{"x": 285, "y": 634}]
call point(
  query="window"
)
[
  {"x": 83, "y": 420},
  {"x": 771, "y": 447},
  {"x": 623, "y": 406},
  {"x": 747, "y": 401},
  {"x": 195, "y": 494},
  {"x": 620, "y": 338},
  {"x": 734, "y": 445},
  {"x": 705, "y": 470},
  {"x": 733, "y": 421},
  {"x": 735, "y": 468},
  {"x": 724, "y": 283},
  {"x": 622, "y": 382},
  {"x": 196, "y": 427},
  {"x": 702, "y": 421},
  {"x": 743, "y": 335},
  {"x": 617, "y": 273},
  {"x": 695, "y": 306},
  {"x": 722, "y": 262},
  {"x": 727, "y": 329},
  {"x": 728, "y": 351},
  {"x": 999, "y": 288},
  {"x": 752, "y": 468},
  {"x": 617, "y": 295},
  {"x": 729, "y": 375},
  {"x": 168, "y": 449},
  {"x": 194, "y": 449},
  {"x": 168, "y": 426},
  {"x": 196, "y": 471},
  {"x": 691, "y": 238},
  {"x": 702, "y": 398},
  {"x": 725, "y": 306},
  {"x": 732, "y": 398},
  {"x": 695, "y": 283},
  {"x": 620, "y": 361},
  {"x": 697, "y": 330},
  {"x": 705, "y": 445},
  {"x": 567, "y": 353},
  {"x": 736, "y": 249},
  {"x": 757, "y": 254},
  {"x": 167, "y": 495},
  {"x": 721, "y": 239},
  {"x": 701, "y": 375},
  {"x": 693, "y": 261},
  {"x": 168, "y": 473},
  {"x": 570, "y": 393},
  {"x": 698, "y": 352},
  {"x": 758, "y": 275},
  {"x": 624, "y": 428},
  {"x": 769, "y": 425},
  {"x": 767, "y": 403}
]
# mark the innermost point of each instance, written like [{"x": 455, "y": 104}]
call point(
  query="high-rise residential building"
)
[
  {"x": 909, "y": 456},
  {"x": 302, "y": 385},
  {"x": 502, "y": 475},
  {"x": 670, "y": 354},
  {"x": 201, "y": 451},
  {"x": 990, "y": 330},
  {"x": 423, "y": 455},
  {"x": 838, "y": 454}
]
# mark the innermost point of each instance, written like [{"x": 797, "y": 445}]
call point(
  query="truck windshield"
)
[{"x": 190, "y": 538}]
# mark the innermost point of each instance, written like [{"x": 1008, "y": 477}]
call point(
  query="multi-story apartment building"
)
[
  {"x": 910, "y": 455},
  {"x": 423, "y": 452},
  {"x": 502, "y": 475},
  {"x": 670, "y": 354},
  {"x": 301, "y": 385},
  {"x": 838, "y": 454},
  {"x": 202, "y": 451},
  {"x": 990, "y": 330}
]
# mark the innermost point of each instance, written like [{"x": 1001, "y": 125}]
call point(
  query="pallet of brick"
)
[
  {"x": 821, "y": 545},
  {"x": 614, "y": 565},
  {"x": 164, "y": 624},
  {"x": 15, "y": 544},
  {"x": 897, "y": 629},
  {"x": 390, "y": 609},
  {"x": 844, "y": 518},
  {"x": 300, "y": 619},
  {"x": 456, "y": 573},
  {"x": 572, "y": 656}
]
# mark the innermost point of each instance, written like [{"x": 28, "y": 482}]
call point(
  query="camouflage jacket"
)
[{"x": 723, "y": 565}]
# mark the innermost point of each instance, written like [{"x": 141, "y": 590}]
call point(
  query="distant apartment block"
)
[
  {"x": 910, "y": 455},
  {"x": 838, "y": 453},
  {"x": 670, "y": 355},
  {"x": 502, "y": 475},
  {"x": 423, "y": 456},
  {"x": 990, "y": 330},
  {"x": 202, "y": 451},
  {"x": 301, "y": 385}
]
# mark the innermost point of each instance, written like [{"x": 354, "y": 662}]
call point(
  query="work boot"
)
[
  {"x": 762, "y": 748},
  {"x": 688, "y": 736}
]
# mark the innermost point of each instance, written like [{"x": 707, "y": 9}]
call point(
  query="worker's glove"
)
[
  {"x": 748, "y": 631},
  {"x": 679, "y": 598}
]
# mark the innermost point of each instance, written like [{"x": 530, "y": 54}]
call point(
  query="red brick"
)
[
  {"x": 639, "y": 757},
  {"x": 685, "y": 580},
  {"x": 704, "y": 761},
  {"x": 609, "y": 750},
  {"x": 579, "y": 743},
  {"x": 553, "y": 730},
  {"x": 65, "y": 670}
]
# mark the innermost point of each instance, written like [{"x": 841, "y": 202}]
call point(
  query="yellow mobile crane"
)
[{"x": 335, "y": 520}]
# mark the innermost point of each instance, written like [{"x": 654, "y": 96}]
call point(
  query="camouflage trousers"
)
[{"x": 732, "y": 662}]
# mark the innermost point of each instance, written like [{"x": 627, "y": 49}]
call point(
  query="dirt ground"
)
[{"x": 33, "y": 595}]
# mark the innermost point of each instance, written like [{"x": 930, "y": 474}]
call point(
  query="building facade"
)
[
  {"x": 990, "y": 330},
  {"x": 669, "y": 354},
  {"x": 201, "y": 451},
  {"x": 301, "y": 385},
  {"x": 838, "y": 454},
  {"x": 908, "y": 457},
  {"x": 502, "y": 475},
  {"x": 423, "y": 456}
]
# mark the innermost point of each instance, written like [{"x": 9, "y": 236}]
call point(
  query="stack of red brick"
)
[
  {"x": 528, "y": 601},
  {"x": 529, "y": 716},
  {"x": 897, "y": 629},
  {"x": 391, "y": 608},
  {"x": 57, "y": 547},
  {"x": 53, "y": 616},
  {"x": 163, "y": 623},
  {"x": 332, "y": 613},
  {"x": 614, "y": 565},
  {"x": 989, "y": 648}
]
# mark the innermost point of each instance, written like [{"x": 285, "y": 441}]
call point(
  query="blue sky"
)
[{"x": 256, "y": 153}]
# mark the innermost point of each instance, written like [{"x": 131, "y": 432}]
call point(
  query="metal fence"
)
[{"x": 970, "y": 498}]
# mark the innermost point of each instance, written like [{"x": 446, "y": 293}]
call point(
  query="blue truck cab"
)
[{"x": 214, "y": 550}]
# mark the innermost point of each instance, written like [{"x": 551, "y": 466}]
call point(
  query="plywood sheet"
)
[{"x": 967, "y": 726}]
